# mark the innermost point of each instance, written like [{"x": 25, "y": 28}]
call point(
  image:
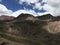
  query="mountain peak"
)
[
  {"x": 46, "y": 16},
  {"x": 24, "y": 15}
]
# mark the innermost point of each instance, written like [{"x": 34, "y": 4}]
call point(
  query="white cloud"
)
[
  {"x": 4, "y": 10},
  {"x": 26, "y": 11},
  {"x": 18, "y": 12},
  {"x": 37, "y": 6},
  {"x": 53, "y": 3},
  {"x": 52, "y": 6},
  {"x": 40, "y": 14},
  {"x": 28, "y": 1}
]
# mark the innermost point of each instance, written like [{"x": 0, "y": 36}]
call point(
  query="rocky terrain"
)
[{"x": 29, "y": 30}]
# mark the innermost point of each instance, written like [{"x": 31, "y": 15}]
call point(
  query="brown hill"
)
[
  {"x": 3, "y": 17},
  {"x": 26, "y": 31}
]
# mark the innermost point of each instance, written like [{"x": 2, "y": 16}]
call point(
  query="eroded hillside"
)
[{"x": 29, "y": 30}]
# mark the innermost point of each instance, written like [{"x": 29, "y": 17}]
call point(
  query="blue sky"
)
[
  {"x": 14, "y": 5},
  {"x": 11, "y": 4},
  {"x": 37, "y": 6}
]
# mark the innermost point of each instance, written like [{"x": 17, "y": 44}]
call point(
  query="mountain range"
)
[{"x": 27, "y": 29}]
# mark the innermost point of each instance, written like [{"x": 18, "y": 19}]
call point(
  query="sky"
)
[{"x": 35, "y": 7}]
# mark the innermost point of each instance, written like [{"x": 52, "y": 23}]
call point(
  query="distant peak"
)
[
  {"x": 47, "y": 15},
  {"x": 25, "y": 15}
]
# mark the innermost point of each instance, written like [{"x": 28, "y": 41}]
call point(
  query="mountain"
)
[
  {"x": 3, "y": 17},
  {"x": 26, "y": 17},
  {"x": 45, "y": 17},
  {"x": 27, "y": 29},
  {"x": 56, "y": 18}
]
